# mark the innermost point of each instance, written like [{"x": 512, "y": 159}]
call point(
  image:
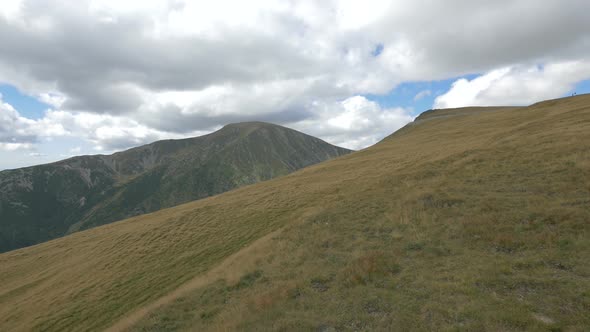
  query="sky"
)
[{"x": 99, "y": 76}]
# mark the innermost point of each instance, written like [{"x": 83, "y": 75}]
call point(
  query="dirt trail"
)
[{"x": 231, "y": 269}]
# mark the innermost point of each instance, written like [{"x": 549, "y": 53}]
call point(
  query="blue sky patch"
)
[
  {"x": 27, "y": 106},
  {"x": 418, "y": 96},
  {"x": 581, "y": 88},
  {"x": 377, "y": 50}
]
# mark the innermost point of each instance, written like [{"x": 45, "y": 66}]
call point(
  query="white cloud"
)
[
  {"x": 108, "y": 133},
  {"x": 16, "y": 132},
  {"x": 516, "y": 85},
  {"x": 51, "y": 98},
  {"x": 355, "y": 122},
  {"x": 15, "y": 146},
  {"x": 10, "y": 8},
  {"x": 422, "y": 94},
  {"x": 354, "y": 15}
]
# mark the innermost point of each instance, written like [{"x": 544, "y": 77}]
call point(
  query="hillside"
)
[
  {"x": 48, "y": 201},
  {"x": 475, "y": 221}
]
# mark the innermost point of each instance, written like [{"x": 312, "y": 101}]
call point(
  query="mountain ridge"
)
[{"x": 86, "y": 191}]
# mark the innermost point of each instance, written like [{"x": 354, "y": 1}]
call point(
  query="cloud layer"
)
[
  {"x": 121, "y": 73},
  {"x": 517, "y": 85}
]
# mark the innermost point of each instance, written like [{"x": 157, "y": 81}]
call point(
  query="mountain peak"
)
[
  {"x": 87, "y": 191},
  {"x": 250, "y": 125},
  {"x": 244, "y": 129}
]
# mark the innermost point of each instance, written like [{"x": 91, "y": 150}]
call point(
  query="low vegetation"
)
[{"x": 460, "y": 221}]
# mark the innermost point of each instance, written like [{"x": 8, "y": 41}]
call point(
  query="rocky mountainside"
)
[{"x": 48, "y": 201}]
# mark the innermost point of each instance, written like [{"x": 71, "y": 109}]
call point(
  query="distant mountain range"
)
[{"x": 44, "y": 202}]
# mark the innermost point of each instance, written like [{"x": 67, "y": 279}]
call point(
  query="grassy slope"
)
[{"x": 475, "y": 221}]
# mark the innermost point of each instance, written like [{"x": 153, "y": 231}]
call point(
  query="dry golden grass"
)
[{"x": 462, "y": 221}]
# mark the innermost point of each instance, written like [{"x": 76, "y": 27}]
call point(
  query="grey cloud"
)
[
  {"x": 90, "y": 60},
  {"x": 100, "y": 98},
  {"x": 455, "y": 37},
  {"x": 115, "y": 67},
  {"x": 171, "y": 118}
]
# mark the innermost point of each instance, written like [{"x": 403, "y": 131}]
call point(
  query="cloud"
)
[
  {"x": 119, "y": 73},
  {"x": 516, "y": 85},
  {"x": 16, "y": 132},
  {"x": 10, "y": 8},
  {"x": 182, "y": 45},
  {"x": 15, "y": 146},
  {"x": 430, "y": 39},
  {"x": 51, "y": 98},
  {"x": 107, "y": 132},
  {"x": 355, "y": 122},
  {"x": 422, "y": 94}
]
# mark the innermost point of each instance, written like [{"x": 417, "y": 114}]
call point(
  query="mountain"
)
[
  {"x": 44, "y": 202},
  {"x": 468, "y": 219}
]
